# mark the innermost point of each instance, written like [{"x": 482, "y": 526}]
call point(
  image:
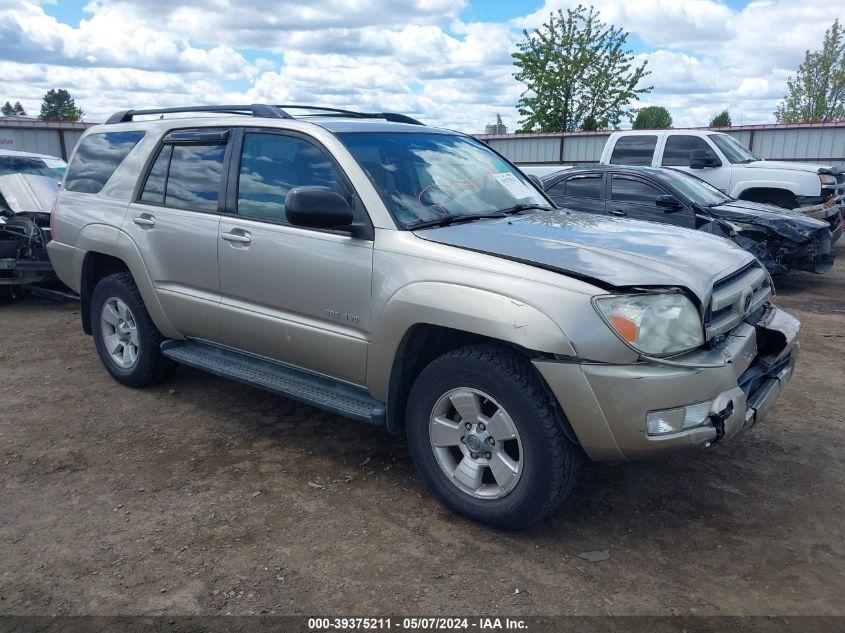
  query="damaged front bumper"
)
[
  {"x": 23, "y": 256},
  {"x": 732, "y": 387},
  {"x": 781, "y": 256},
  {"x": 16, "y": 272},
  {"x": 830, "y": 210}
]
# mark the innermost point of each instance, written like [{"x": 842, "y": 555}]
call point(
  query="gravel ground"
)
[{"x": 202, "y": 496}]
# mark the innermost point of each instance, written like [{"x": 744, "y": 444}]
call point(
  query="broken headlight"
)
[
  {"x": 828, "y": 180},
  {"x": 743, "y": 227},
  {"x": 655, "y": 324}
]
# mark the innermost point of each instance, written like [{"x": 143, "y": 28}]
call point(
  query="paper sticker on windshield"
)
[{"x": 514, "y": 185}]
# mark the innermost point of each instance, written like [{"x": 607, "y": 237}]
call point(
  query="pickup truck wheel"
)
[
  {"x": 487, "y": 438},
  {"x": 125, "y": 336}
]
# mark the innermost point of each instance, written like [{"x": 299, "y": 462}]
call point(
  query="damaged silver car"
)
[
  {"x": 782, "y": 239},
  {"x": 28, "y": 187}
]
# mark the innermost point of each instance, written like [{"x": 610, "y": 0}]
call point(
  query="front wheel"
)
[
  {"x": 487, "y": 438},
  {"x": 125, "y": 336}
]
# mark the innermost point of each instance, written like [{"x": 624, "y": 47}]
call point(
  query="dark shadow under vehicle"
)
[{"x": 781, "y": 239}]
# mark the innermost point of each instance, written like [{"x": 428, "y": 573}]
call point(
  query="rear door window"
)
[
  {"x": 187, "y": 173},
  {"x": 194, "y": 178},
  {"x": 679, "y": 148},
  {"x": 96, "y": 159},
  {"x": 636, "y": 149},
  {"x": 586, "y": 186}
]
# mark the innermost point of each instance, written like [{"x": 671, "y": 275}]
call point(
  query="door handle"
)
[
  {"x": 241, "y": 237},
  {"x": 619, "y": 212},
  {"x": 145, "y": 220}
]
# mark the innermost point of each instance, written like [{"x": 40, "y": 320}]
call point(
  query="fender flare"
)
[
  {"x": 741, "y": 187},
  {"x": 109, "y": 240},
  {"x": 462, "y": 308}
]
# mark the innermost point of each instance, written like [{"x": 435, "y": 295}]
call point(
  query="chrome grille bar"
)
[{"x": 735, "y": 297}]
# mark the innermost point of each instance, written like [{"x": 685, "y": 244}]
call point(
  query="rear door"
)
[
  {"x": 580, "y": 192},
  {"x": 174, "y": 222},
  {"x": 636, "y": 198},
  {"x": 291, "y": 294}
]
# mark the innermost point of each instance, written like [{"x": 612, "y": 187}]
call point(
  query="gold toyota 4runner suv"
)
[{"x": 412, "y": 278}]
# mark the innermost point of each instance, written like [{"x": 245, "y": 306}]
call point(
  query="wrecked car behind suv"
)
[
  {"x": 28, "y": 187},
  {"x": 782, "y": 239},
  {"x": 411, "y": 278}
]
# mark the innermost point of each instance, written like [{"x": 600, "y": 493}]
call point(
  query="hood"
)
[
  {"x": 614, "y": 252},
  {"x": 783, "y": 222},
  {"x": 783, "y": 164},
  {"x": 28, "y": 193}
]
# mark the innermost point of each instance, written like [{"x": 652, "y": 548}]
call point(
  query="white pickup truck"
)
[{"x": 718, "y": 158}]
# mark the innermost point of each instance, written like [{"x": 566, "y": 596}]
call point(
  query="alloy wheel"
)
[{"x": 476, "y": 443}]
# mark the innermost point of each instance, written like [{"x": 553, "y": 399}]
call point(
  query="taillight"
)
[{"x": 53, "y": 235}]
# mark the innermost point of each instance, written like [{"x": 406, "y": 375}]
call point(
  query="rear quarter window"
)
[
  {"x": 636, "y": 149},
  {"x": 96, "y": 159}
]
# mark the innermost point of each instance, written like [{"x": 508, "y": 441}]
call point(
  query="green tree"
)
[
  {"x": 18, "y": 108},
  {"x": 58, "y": 105},
  {"x": 8, "y": 109},
  {"x": 817, "y": 92},
  {"x": 723, "y": 119},
  {"x": 652, "y": 118},
  {"x": 589, "y": 124},
  {"x": 576, "y": 73}
]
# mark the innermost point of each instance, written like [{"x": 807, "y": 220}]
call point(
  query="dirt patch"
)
[{"x": 202, "y": 496}]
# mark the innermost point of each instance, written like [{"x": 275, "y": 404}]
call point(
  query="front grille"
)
[
  {"x": 735, "y": 297},
  {"x": 837, "y": 192}
]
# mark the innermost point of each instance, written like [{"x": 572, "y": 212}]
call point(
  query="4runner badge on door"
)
[{"x": 340, "y": 316}]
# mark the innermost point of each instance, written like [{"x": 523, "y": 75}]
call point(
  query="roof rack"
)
[
  {"x": 255, "y": 109},
  {"x": 393, "y": 117},
  {"x": 264, "y": 111}
]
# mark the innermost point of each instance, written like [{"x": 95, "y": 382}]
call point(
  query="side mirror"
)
[
  {"x": 670, "y": 204},
  {"x": 317, "y": 207},
  {"x": 536, "y": 180},
  {"x": 700, "y": 158}
]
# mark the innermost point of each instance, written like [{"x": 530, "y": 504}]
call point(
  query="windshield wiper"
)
[
  {"x": 525, "y": 207},
  {"x": 453, "y": 219}
]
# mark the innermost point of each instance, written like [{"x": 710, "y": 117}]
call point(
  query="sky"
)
[{"x": 446, "y": 62}]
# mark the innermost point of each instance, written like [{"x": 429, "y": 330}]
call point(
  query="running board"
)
[{"x": 337, "y": 397}]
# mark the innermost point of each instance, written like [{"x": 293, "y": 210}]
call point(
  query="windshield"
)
[
  {"x": 733, "y": 150},
  {"x": 425, "y": 177},
  {"x": 695, "y": 190},
  {"x": 28, "y": 165}
]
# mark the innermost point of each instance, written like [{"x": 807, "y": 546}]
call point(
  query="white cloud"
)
[
  {"x": 109, "y": 39},
  {"x": 413, "y": 56}
]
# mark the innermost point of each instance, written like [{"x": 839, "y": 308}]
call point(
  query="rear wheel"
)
[
  {"x": 125, "y": 336},
  {"x": 487, "y": 438}
]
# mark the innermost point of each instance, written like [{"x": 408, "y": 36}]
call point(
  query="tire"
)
[
  {"x": 486, "y": 379},
  {"x": 116, "y": 298}
]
